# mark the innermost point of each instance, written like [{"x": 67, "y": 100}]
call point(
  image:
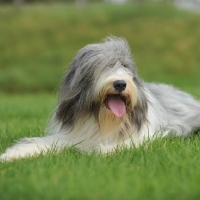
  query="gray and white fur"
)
[{"x": 104, "y": 104}]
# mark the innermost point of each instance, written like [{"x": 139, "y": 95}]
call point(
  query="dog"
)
[{"x": 103, "y": 104}]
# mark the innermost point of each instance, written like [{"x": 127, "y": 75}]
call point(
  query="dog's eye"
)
[{"x": 125, "y": 66}]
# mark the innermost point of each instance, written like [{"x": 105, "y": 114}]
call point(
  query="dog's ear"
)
[
  {"x": 75, "y": 91},
  {"x": 139, "y": 113}
]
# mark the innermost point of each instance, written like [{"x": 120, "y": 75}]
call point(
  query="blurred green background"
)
[{"x": 38, "y": 40}]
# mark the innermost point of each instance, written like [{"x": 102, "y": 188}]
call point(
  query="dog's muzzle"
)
[{"x": 116, "y": 102}]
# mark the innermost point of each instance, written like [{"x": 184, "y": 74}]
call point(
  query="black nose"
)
[{"x": 119, "y": 85}]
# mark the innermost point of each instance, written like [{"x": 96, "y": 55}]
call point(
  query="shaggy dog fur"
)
[{"x": 104, "y": 104}]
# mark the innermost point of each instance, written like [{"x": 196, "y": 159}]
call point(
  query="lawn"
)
[
  {"x": 37, "y": 44},
  {"x": 167, "y": 169}
]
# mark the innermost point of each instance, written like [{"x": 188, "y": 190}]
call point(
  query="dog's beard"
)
[
  {"x": 108, "y": 122},
  {"x": 114, "y": 114}
]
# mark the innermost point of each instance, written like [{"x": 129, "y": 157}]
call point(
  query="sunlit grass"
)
[{"x": 167, "y": 168}]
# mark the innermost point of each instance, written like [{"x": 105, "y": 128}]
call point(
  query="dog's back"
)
[{"x": 182, "y": 111}]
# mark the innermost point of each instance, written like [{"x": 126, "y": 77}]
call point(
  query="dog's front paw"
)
[
  {"x": 17, "y": 152},
  {"x": 6, "y": 157},
  {"x": 13, "y": 154},
  {"x": 10, "y": 155}
]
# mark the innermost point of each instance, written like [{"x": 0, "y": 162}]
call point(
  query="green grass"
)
[
  {"x": 36, "y": 45},
  {"x": 167, "y": 169}
]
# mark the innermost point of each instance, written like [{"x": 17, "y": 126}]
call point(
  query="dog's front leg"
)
[{"x": 27, "y": 147}]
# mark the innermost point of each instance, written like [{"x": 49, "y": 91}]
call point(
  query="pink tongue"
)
[{"x": 116, "y": 105}]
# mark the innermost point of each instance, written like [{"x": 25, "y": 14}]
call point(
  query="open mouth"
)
[{"x": 117, "y": 104}]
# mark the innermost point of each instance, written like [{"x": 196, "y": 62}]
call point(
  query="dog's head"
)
[{"x": 103, "y": 81}]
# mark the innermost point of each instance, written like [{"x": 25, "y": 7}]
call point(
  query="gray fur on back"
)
[{"x": 181, "y": 110}]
